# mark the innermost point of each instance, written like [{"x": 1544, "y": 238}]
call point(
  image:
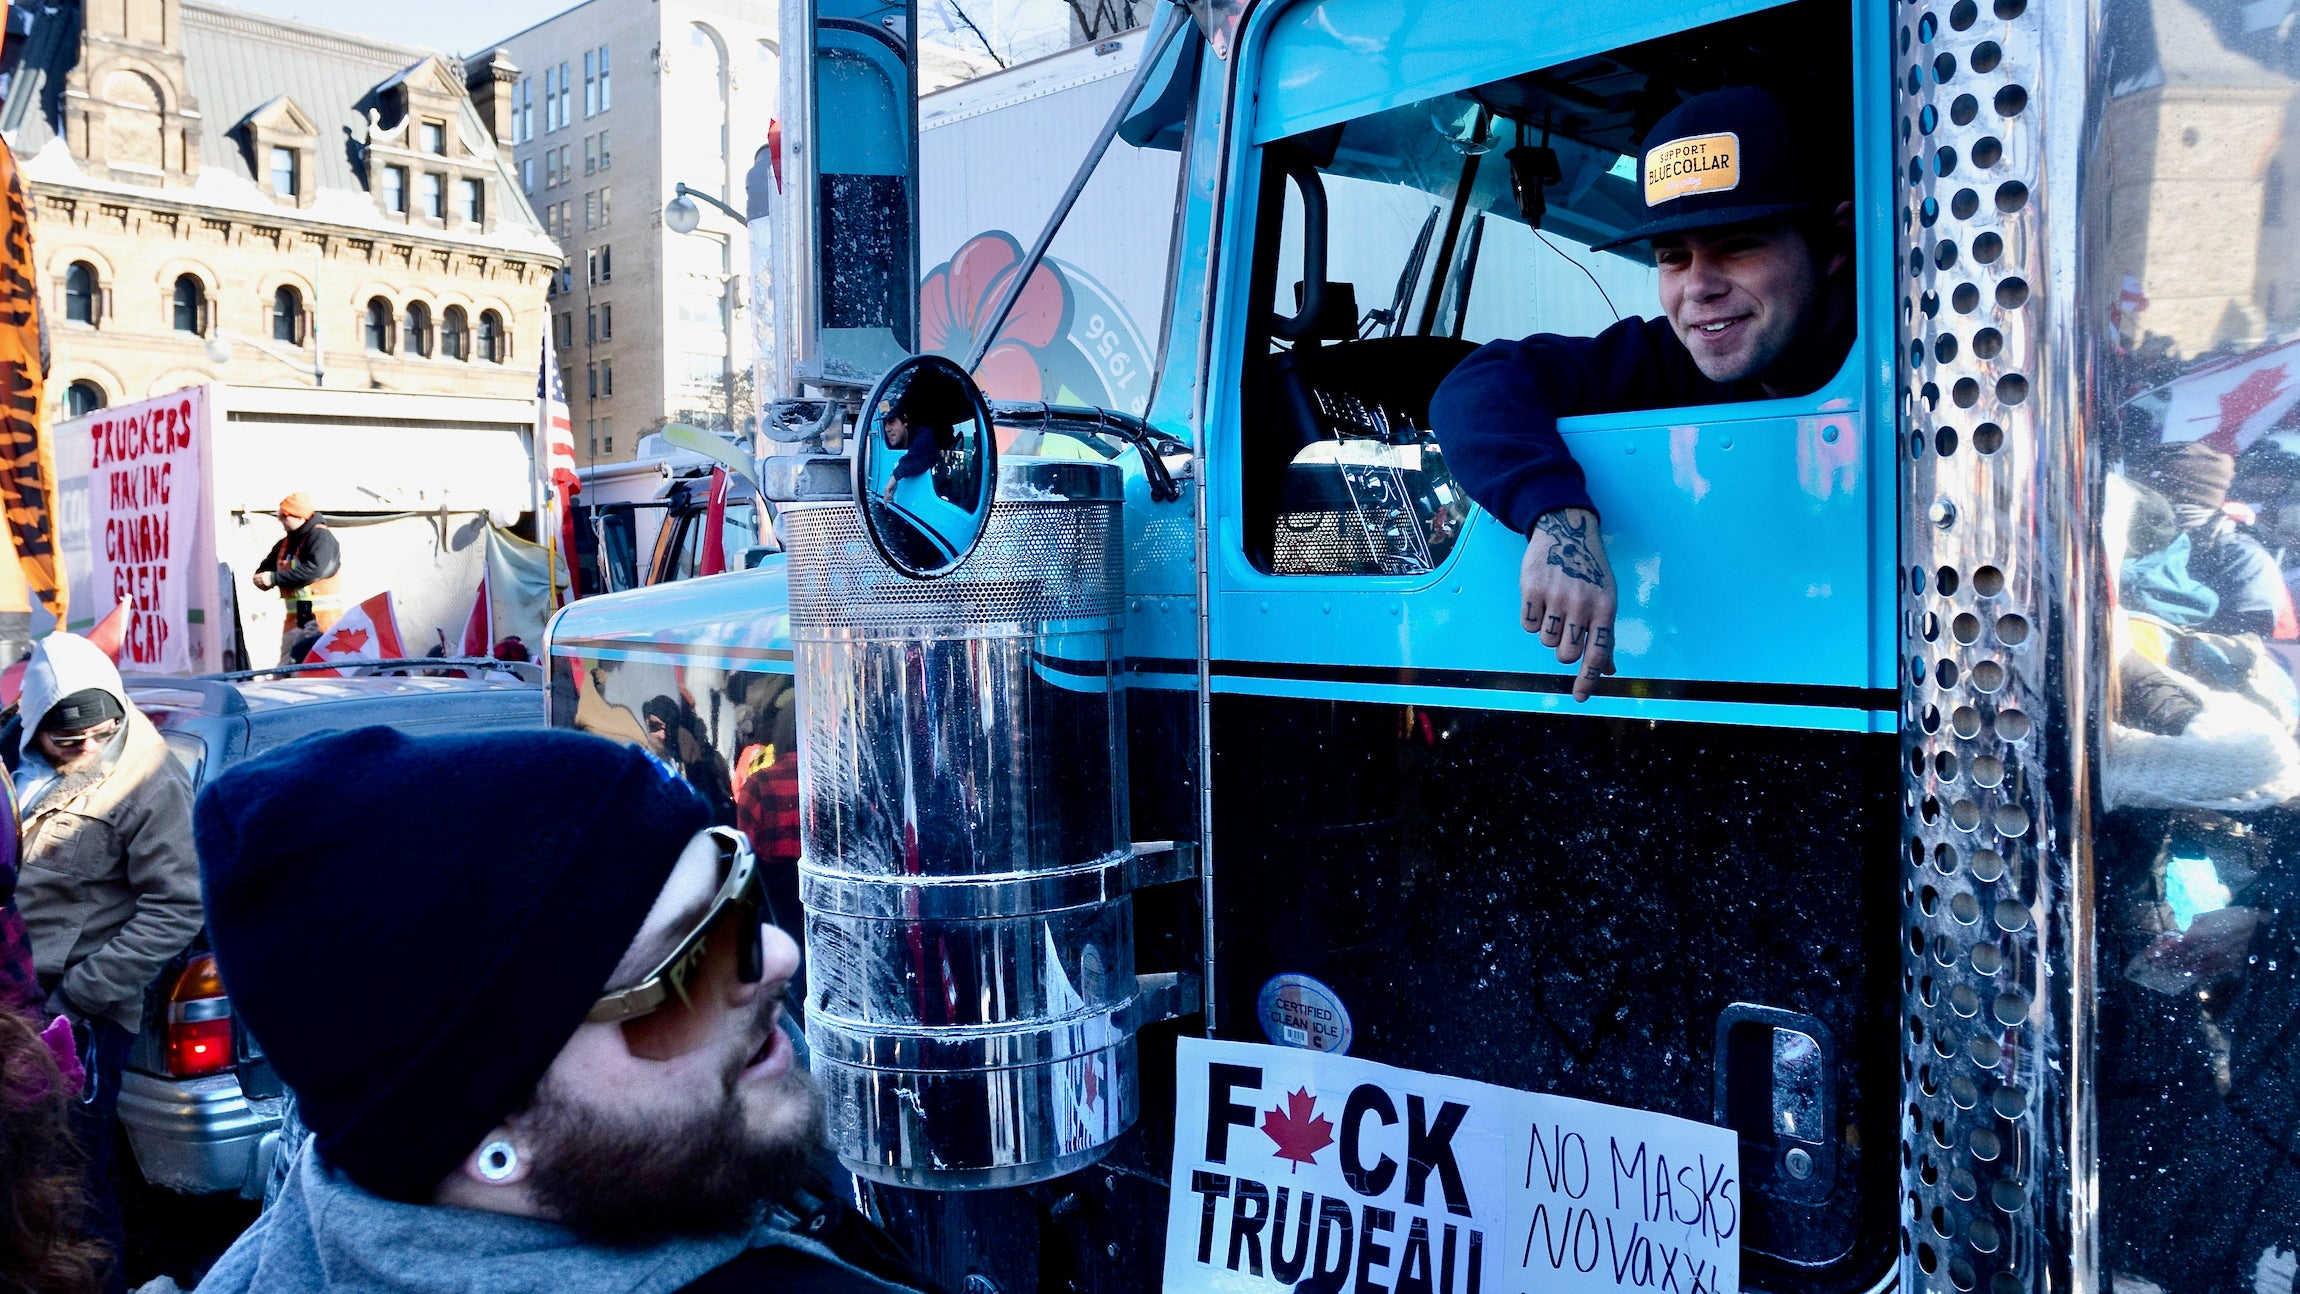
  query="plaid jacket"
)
[{"x": 19, "y": 986}]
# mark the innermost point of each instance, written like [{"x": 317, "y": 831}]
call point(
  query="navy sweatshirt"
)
[
  {"x": 924, "y": 451},
  {"x": 1496, "y": 414}
]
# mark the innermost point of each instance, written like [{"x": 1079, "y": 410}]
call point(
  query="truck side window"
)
[{"x": 1392, "y": 245}]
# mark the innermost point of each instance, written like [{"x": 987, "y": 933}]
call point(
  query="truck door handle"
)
[{"x": 1776, "y": 1086}]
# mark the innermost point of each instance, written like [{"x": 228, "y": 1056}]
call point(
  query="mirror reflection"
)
[{"x": 925, "y": 468}]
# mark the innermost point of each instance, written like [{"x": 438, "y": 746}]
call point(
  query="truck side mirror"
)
[{"x": 925, "y": 467}]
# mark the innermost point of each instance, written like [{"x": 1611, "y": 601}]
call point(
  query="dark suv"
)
[{"x": 200, "y": 1105}]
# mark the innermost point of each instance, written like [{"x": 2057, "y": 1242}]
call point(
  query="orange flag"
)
[{"x": 27, "y": 455}]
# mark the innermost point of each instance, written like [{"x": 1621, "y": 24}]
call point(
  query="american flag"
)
[{"x": 554, "y": 424}]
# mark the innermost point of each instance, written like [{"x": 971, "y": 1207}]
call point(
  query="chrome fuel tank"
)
[{"x": 971, "y": 988}]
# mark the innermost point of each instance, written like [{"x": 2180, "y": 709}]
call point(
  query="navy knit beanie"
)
[{"x": 413, "y": 927}]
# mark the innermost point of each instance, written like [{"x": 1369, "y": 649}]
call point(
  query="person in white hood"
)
[{"x": 110, "y": 883}]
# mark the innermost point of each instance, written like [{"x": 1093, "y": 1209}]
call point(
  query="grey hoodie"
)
[{"x": 324, "y": 1233}]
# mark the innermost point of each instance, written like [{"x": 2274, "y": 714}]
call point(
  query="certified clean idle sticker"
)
[{"x": 1297, "y": 1011}]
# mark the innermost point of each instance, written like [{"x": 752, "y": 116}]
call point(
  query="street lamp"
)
[
  {"x": 682, "y": 216},
  {"x": 219, "y": 351}
]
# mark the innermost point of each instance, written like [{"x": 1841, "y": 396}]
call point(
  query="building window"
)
[
  {"x": 602, "y": 264},
  {"x": 590, "y": 84},
  {"x": 395, "y": 189},
  {"x": 415, "y": 330},
  {"x": 607, "y": 435},
  {"x": 607, "y": 322},
  {"x": 191, "y": 305},
  {"x": 83, "y": 397},
  {"x": 435, "y": 138},
  {"x": 287, "y": 315},
  {"x": 550, "y": 99},
  {"x": 566, "y": 163},
  {"x": 435, "y": 195},
  {"x": 591, "y": 209},
  {"x": 606, "y": 98},
  {"x": 566, "y": 97},
  {"x": 475, "y": 201},
  {"x": 454, "y": 333},
  {"x": 591, "y": 323},
  {"x": 591, "y": 375},
  {"x": 605, "y": 158},
  {"x": 491, "y": 346},
  {"x": 590, "y": 154},
  {"x": 606, "y": 377},
  {"x": 283, "y": 172},
  {"x": 379, "y": 325},
  {"x": 523, "y": 112},
  {"x": 80, "y": 293},
  {"x": 527, "y": 174},
  {"x": 566, "y": 325},
  {"x": 606, "y": 206}
]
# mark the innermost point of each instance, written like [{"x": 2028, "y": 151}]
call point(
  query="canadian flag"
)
[
  {"x": 369, "y": 631},
  {"x": 110, "y": 634},
  {"x": 479, "y": 627},
  {"x": 2230, "y": 406}
]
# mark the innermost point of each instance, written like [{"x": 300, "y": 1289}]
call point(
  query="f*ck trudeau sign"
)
[{"x": 1330, "y": 1175}]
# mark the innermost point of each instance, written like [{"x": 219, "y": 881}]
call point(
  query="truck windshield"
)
[{"x": 1390, "y": 193}]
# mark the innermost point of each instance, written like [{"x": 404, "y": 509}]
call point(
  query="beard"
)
[{"x": 615, "y": 1179}]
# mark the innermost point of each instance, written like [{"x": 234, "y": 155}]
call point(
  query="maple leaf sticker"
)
[
  {"x": 1299, "y": 1136},
  {"x": 346, "y": 642}
]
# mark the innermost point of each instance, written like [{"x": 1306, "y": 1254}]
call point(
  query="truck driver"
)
[{"x": 1756, "y": 279}]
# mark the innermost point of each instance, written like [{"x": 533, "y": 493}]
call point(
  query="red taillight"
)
[{"x": 199, "y": 1037}]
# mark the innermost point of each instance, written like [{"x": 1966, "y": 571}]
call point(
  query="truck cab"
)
[{"x": 1873, "y": 842}]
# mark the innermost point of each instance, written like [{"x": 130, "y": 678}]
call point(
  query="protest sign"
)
[
  {"x": 144, "y": 519},
  {"x": 1326, "y": 1173}
]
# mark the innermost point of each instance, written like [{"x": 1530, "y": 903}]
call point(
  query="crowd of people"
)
[{"x": 585, "y": 1081}]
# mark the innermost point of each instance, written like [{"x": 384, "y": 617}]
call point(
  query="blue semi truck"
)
[{"x": 1935, "y": 835}]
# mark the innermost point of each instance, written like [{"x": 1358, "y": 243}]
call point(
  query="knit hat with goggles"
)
[
  {"x": 415, "y": 956},
  {"x": 1723, "y": 158}
]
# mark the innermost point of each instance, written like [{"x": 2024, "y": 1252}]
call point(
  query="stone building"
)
[
  {"x": 617, "y": 103},
  {"x": 219, "y": 195}
]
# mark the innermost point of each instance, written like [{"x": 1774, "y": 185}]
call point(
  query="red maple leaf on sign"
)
[
  {"x": 346, "y": 642},
  {"x": 1299, "y": 1136}
]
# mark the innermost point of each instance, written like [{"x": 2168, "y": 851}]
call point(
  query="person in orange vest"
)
[{"x": 303, "y": 566}]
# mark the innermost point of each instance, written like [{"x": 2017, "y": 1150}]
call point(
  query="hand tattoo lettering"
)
[
  {"x": 1555, "y": 624},
  {"x": 1603, "y": 638},
  {"x": 1578, "y": 633},
  {"x": 1570, "y": 547}
]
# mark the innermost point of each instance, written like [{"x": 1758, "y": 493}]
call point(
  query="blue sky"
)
[
  {"x": 455, "y": 26},
  {"x": 463, "y": 27}
]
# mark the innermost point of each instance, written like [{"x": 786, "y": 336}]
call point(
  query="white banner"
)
[
  {"x": 144, "y": 520},
  {"x": 1299, "y": 1169}
]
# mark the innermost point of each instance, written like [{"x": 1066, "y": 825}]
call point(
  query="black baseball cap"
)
[
  {"x": 1723, "y": 158},
  {"x": 82, "y": 710}
]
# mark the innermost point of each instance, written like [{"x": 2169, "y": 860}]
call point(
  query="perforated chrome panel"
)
[
  {"x": 1985, "y": 863},
  {"x": 1038, "y": 561}
]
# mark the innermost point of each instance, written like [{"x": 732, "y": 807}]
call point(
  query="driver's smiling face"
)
[{"x": 1738, "y": 296}]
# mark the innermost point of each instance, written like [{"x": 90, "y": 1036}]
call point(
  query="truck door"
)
[{"x": 1682, "y": 896}]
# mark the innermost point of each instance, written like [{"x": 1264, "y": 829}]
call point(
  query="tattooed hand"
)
[{"x": 1568, "y": 595}]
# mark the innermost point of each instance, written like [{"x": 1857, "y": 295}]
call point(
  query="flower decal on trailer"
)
[
  {"x": 955, "y": 303},
  {"x": 1068, "y": 340}
]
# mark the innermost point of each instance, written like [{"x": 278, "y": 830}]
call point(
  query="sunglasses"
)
[
  {"x": 103, "y": 732},
  {"x": 669, "y": 1011}
]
